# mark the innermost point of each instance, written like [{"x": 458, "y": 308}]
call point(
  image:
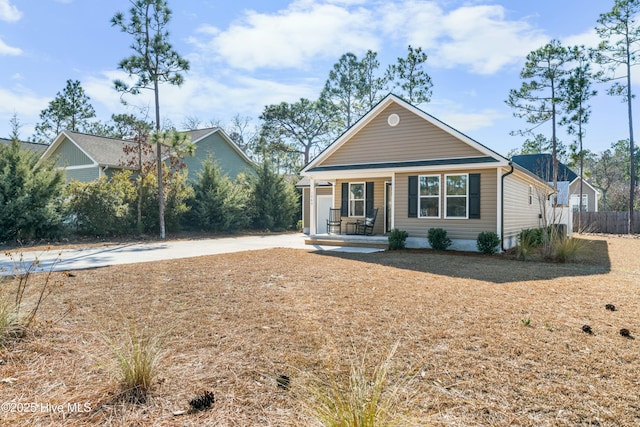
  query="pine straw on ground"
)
[{"x": 233, "y": 323}]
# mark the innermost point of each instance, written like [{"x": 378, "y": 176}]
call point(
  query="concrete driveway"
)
[{"x": 101, "y": 256}]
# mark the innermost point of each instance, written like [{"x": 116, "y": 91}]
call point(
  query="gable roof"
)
[
  {"x": 110, "y": 152},
  {"x": 33, "y": 146},
  {"x": 198, "y": 135},
  {"x": 489, "y": 156},
  {"x": 541, "y": 165},
  {"x": 100, "y": 150}
]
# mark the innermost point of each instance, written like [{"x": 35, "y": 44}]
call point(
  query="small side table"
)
[{"x": 352, "y": 228}]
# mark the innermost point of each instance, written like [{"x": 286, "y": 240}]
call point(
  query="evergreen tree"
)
[
  {"x": 218, "y": 203},
  {"x": 372, "y": 85},
  {"x": 576, "y": 91},
  {"x": 274, "y": 202},
  {"x": 538, "y": 99},
  {"x": 343, "y": 89},
  {"x": 29, "y": 195},
  {"x": 69, "y": 110},
  {"x": 154, "y": 61},
  {"x": 619, "y": 48},
  {"x": 303, "y": 127},
  {"x": 410, "y": 77}
]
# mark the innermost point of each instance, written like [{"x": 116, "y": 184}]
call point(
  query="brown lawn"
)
[{"x": 233, "y": 323}]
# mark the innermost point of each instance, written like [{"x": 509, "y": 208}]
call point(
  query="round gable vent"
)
[{"x": 393, "y": 119}]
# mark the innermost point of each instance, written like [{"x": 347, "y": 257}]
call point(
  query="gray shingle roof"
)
[
  {"x": 542, "y": 166},
  {"x": 34, "y": 146}
]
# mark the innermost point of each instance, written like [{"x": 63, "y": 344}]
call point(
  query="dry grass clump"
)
[
  {"x": 367, "y": 397},
  {"x": 21, "y": 298},
  {"x": 236, "y": 324},
  {"x": 137, "y": 356}
]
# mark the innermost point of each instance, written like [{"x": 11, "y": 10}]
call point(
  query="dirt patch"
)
[{"x": 481, "y": 340}]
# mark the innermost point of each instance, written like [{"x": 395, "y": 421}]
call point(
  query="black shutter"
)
[
  {"x": 344, "y": 205},
  {"x": 368, "y": 198},
  {"x": 413, "y": 196},
  {"x": 474, "y": 196}
]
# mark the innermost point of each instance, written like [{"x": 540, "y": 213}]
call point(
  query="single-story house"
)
[
  {"x": 88, "y": 157},
  {"x": 567, "y": 180},
  {"x": 420, "y": 173}
]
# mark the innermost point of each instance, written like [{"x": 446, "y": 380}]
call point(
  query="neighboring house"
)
[
  {"x": 88, "y": 157},
  {"x": 420, "y": 173},
  {"x": 568, "y": 181},
  {"x": 33, "y": 146}
]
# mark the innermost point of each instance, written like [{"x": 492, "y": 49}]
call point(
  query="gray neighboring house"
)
[
  {"x": 86, "y": 157},
  {"x": 33, "y": 146}
]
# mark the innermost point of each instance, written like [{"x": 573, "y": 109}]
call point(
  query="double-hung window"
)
[
  {"x": 575, "y": 205},
  {"x": 356, "y": 199},
  {"x": 429, "y": 196},
  {"x": 456, "y": 201}
]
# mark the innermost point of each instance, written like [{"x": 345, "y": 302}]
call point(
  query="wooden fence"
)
[{"x": 606, "y": 222}]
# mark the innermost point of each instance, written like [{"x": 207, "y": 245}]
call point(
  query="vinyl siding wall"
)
[
  {"x": 412, "y": 139},
  {"x": 462, "y": 229},
  {"x": 378, "y": 201},
  {"x": 68, "y": 154},
  {"x": 591, "y": 195},
  {"x": 82, "y": 175},
  {"x": 519, "y": 214},
  {"x": 228, "y": 159}
]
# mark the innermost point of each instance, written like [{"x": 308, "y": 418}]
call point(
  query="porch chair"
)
[
  {"x": 334, "y": 221},
  {"x": 365, "y": 226}
]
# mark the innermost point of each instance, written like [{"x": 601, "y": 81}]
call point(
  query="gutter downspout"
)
[{"x": 502, "y": 206}]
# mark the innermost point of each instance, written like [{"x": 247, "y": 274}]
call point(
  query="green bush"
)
[
  {"x": 438, "y": 239},
  {"x": 532, "y": 237},
  {"x": 397, "y": 239},
  {"x": 488, "y": 242},
  {"x": 30, "y": 202},
  {"x": 218, "y": 203},
  {"x": 176, "y": 193},
  {"x": 274, "y": 203},
  {"x": 103, "y": 207}
]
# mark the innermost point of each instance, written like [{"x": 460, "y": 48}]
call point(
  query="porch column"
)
[
  {"x": 393, "y": 201},
  {"x": 499, "y": 203},
  {"x": 312, "y": 206}
]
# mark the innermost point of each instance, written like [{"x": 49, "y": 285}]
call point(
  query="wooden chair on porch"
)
[
  {"x": 334, "y": 221},
  {"x": 366, "y": 225}
]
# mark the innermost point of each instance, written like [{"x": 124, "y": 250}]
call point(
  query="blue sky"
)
[{"x": 248, "y": 54}]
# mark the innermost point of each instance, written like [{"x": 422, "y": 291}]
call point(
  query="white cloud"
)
[
  {"x": 8, "y": 12},
  {"x": 478, "y": 37},
  {"x": 8, "y": 50},
  {"x": 589, "y": 39},
  {"x": 202, "y": 95},
  {"x": 458, "y": 116},
  {"x": 25, "y": 105},
  {"x": 293, "y": 37}
]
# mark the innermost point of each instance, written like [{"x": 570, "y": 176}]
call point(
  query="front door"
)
[{"x": 323, "y": 204}]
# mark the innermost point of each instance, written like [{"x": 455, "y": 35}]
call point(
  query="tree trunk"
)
[
  {"x": 159, "y": 160},
  {"x": 632, "y": 168}
]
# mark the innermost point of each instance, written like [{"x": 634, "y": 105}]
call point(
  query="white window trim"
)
[
  {"x": 364, "y": 200},
  {"x": 531, "y": 195},
  {"x": 446, "y": 196},
  {"x": 431, "y": 197},
  {"x": 576, "y": 196}
]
